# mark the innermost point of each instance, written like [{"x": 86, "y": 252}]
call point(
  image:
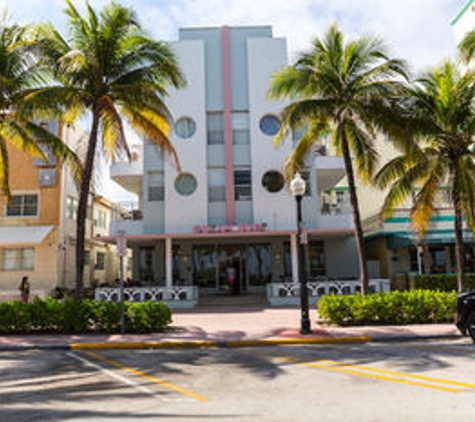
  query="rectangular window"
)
[
  {"x": 87, "y": 258},
  {"x": 216, "y": 185},
  {"x": 22, "y": 206},
  {"x": 100, "y": 219},
  {"x": 259, "y": 262},
  {"x": 18, "y": 259},
  {"x": 316, "y": 256},
  {"x": 413, "y": 260},
  {"x": 147, "y": 264},
  {"x": 156, "y": 190},
  {"x": 71, "y": 208},
  {"x": 100, "y": 261},
  {"x": 242, "y": 185},
  {"x": 240, "y": 125},
  {"x": 306, "y": 176},
  {"x": 215, "y": 128}
]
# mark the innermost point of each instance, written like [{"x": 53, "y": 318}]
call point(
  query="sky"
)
[{"x": 418, "y": 31}]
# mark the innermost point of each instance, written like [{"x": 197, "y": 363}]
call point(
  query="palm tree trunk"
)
[
  {"x": 356, "y": 215},
  {"x": 459, "y": 249},
  {"x": 82, "y": 205}
]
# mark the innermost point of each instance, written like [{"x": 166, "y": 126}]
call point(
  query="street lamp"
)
[{"x": 297, "y": 187}]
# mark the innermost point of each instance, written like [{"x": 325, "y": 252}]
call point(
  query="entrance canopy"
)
[{"x": 145, "y": 238}]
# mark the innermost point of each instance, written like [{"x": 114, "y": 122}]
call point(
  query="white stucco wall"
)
[
  {"x": 464, "y": 23},
  {"x": 265, "y": 56},
  {"x": 182, "y": 212}
]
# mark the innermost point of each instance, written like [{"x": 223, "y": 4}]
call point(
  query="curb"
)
[
  {"x": 187, "y": 344},
  {"x": 196, "y": 344},
  {"x": 218, "y": 343},
  {"x": 389, "y": 339}
]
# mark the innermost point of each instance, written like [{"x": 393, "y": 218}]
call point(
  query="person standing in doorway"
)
[
  {"x": 231, "y": 276},
  {"x": 24, "y": 289}
]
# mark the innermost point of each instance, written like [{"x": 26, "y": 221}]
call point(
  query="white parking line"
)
[{"x": 113, "y": 375}]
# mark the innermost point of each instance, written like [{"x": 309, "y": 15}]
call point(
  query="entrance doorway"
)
[{"x": 232, "y": 269}]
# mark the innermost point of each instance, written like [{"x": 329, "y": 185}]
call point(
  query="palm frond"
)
[
  {"x": 361, "y": 144},
  {"x": 152, "y": 127},
  {"x": 113, "y": 135}
]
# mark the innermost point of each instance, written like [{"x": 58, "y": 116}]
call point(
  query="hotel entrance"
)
[{"x": 232, "y": 269}]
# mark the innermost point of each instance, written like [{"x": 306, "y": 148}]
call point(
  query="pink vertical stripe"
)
[{"x": 228, "y": 130}]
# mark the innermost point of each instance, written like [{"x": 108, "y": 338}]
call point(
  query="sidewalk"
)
[{"x": 233, "y": 327}]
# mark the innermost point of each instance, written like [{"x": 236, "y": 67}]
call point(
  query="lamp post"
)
[{"x": 297, "y": 187}]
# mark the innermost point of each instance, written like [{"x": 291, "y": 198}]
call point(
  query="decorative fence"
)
[
  {"x": 278, "y": 294},
  {"x": 175, "y": 296},
  {"x": 288, "y": 293}
]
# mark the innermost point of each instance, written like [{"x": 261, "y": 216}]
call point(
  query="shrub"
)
[
  {"x": 443, "y": 282},
  {"x": 409, "y": 307},
  {"x": 69, "y": 316}
]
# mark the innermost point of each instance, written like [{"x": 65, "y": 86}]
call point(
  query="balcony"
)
[
  {"x": 335, "y": 210},
  {"x": 128, "y": 174},
  {"x": 127, "y": 218}
]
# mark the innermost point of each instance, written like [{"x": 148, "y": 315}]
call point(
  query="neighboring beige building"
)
[
  {"x": 38, "y": 227},
  {"x": 394, "y": 249}
]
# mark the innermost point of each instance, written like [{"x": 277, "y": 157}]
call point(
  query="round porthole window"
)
[
  {"x": 273, "y": 181},
  {"x": 269, "y": 125},
  {"x": 185, "y": 184},
  {"x": 185, "y": 127}
]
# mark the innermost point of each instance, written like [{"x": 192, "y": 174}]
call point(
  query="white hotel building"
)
[{"x": 230, "y": 205}]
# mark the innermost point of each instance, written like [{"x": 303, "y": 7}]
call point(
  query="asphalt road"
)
[{"x": 419, "y": 381}]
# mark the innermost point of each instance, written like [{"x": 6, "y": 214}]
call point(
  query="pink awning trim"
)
[{"x": 313, "y": 232}]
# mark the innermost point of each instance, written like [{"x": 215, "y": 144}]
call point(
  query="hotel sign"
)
[{"x": 241, "y": 228}]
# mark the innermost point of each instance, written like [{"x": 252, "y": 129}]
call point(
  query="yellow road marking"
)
[
  {"x": 404, "y": 374},
  {"x": 369, "y": 375},
  {"x": 156, "y": 380}
]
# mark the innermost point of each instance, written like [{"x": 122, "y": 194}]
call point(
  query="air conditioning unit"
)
[{"x": 47, "y": 178}]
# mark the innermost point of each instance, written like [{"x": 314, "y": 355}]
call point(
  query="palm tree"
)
[
  {"x": 467, "y": 47},
  {"x": 441, "y": 116},
  {"x": 110, "y": 69},
  {"x": 19, "y": 73},
  {"x": 347, "y": 88}
]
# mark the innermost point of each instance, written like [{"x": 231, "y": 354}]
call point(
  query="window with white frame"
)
[
  {"x": 22, "y": 206},
  {"x": 217, "y": 184},
  {"x": 100, "y": 261},
  {"x": 71, "y": 208},
  {"x": 100, "y": 219},
  {"x": 215, "y": 128},
  {"x": 156, "y": 190},
  {"x": 242, "y": 185},
  {"x": 240, "y": 125},
  {"x": 18, "y": 259}
]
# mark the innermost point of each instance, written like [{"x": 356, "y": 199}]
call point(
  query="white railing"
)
[
  {"x": 286, "y": 294},
  {"x": 175, "y": 296}
]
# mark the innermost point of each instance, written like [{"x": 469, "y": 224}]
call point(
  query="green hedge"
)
[
  {"x": 409, "y": 307},
  {"x": 443, "y": 282},
  {"x": 69, "y": 316}
]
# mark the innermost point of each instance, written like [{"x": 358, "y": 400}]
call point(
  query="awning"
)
[
  {"x": 437, "y": 238},
  {"x": 23, "y": 235}
]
